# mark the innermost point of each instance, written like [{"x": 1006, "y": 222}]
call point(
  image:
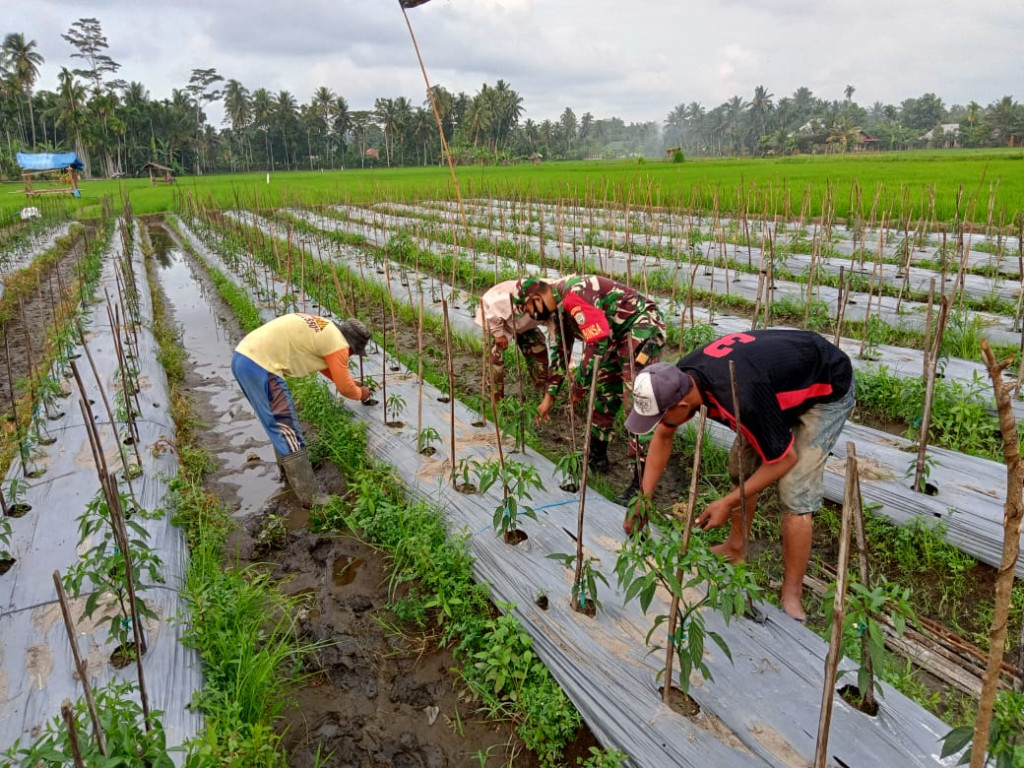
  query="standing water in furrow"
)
[{"x": 245, "y": 458}]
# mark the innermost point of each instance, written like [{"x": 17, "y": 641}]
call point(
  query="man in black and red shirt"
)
[{"x": 795, "y": 392}]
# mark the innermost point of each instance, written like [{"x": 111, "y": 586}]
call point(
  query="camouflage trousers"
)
[
  {"x": 534, "y": 348},
  {"x": 639, "y": 348}
]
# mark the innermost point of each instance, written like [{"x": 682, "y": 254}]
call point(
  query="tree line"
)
[{"x": 116, "y": 127}]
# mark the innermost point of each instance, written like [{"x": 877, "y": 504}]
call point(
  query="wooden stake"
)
[
  {"x": 932, "y": 356},
  {"x": 739, "y": 436},
  {"x": 691, "y": 503},
  {"x": 868, "y": 696},
  {"x": 81, "y": 665},
  {"x": 1013, "y": 517},
  {"x": 69, "y": 723},
  {"x": 451, "y": 380},
  {"x": 835, "y": 647},
  {"x": 578, "y": 577}
]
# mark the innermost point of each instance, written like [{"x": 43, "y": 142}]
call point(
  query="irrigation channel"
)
[
  {"x": 761, "y": 709},
  {"x": 967, "y": 491}
]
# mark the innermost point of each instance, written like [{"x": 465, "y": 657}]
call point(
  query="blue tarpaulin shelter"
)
[
  {"x": 47, "y": 168},
  {"x": 49, "y": 162}
]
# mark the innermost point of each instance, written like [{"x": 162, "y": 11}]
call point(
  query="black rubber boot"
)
[
  {"x": 302, "y": 480},
  {"x": 598, "y": 456},
  {"x": 633, "y": 490}
]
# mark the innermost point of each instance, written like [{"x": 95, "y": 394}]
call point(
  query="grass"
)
[{"x": 791, "y": 186}]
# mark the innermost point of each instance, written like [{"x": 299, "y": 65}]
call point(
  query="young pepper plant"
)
[
  {"x": 646, "y": 563},
  {"x": 517, "y": 480},
  {"x": 103, "y": 566}
]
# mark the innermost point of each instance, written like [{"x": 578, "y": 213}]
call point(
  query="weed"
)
[
  {"x": 603, "y": 758},
  {"x": 273, "y": 535}
]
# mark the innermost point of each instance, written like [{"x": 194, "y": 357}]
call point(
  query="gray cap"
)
[
  {"x": 657, "y": 388},
  {"x": 355, "y": 334}
]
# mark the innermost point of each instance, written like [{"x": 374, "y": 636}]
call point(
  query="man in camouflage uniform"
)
[
  {"x": 623, "y": 327},
  {"x": 504, "y": 321}
]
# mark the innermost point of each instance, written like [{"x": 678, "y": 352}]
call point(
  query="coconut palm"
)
[
  {"x": 72, "y": 113},
  {"x": 22, "y": 62},
  {"x": 263, "y": 106}
]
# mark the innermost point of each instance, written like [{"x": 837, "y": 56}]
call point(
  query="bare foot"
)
[
  {"x": 734, "y": 555},
  {"x": 793, "y": 608}
]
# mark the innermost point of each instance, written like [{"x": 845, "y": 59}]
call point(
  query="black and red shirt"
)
[{"x": 779, "y": 375}]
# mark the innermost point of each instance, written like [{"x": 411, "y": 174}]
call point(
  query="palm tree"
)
[
  {"x": 286, "y": 119},
  {"x": 72, "y": 116},
  {"x": 342, "y": 124},
  {"x": 262, "y": 117},
  {"x": 848, "y": 92},
  {"x": 22, "y": 63},
  {"x": 760, "y": 107},
  {"x": 238, "y": 110}
]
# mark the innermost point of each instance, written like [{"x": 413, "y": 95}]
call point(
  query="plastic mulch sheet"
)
[
  {"x": 37, "y": 669},
  {"x": 761, "y": 709}
]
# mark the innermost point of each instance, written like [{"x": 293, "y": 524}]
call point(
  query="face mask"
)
[{"x": 541, "y": 315}]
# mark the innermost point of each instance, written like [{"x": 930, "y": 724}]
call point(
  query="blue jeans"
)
[{"x": 268, "y": 395}]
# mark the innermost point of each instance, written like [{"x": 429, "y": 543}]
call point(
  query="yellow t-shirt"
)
[{"x": 293, "y": 345}]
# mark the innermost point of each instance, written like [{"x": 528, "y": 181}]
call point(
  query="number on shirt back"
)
[{"x": 724, "y": 345}]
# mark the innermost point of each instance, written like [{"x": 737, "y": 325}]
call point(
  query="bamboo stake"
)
[
  {"x": 835, "y": 647},
  {"x": 580, "y": 606},
  {"x": 69, "y": 724},
  {"x": 1013, "y": 517},
  {"x": 81, "y": 665},
  {"x": 691, "y": 503},
  {"x": 932, "y": 358},
  {"x": 451, "y": 379},
  {"x": 22, "y": 447},
  {"x": 868, "y": 696},
  {"x": 419, "y": 376},
  {"x": 741, "y": 468}
]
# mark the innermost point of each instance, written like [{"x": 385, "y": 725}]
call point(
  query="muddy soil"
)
[{"x": 378, "y": 694}]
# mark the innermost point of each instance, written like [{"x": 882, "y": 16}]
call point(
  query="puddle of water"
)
[
  {"x": 209, "y": 348},
  {"x": 345, "y": 568}
]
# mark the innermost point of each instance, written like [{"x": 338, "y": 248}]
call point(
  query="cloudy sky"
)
[{"x": 635, "y": 59}]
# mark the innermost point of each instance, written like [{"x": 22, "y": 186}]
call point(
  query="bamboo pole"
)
[
  {"x": 69, "y": 723},
  {"x": 580, "y": 606},
  {"x": 868, "y": 696},
  {"x": 835, "y": 647},
  {"x": 691, "y": 503},
  {"x": 1013, "y": 516},
  {"x": 932, "y": 357},
  {"x": 740, "y": 468},
  {"x": 451, "y": 380},
  {"x": 81, "y": 665}
]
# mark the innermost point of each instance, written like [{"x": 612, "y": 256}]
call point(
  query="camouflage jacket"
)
[{"x": 600, "y": 313}]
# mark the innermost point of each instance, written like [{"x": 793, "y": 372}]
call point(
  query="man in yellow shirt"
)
[{"x": 296, "y": 345}]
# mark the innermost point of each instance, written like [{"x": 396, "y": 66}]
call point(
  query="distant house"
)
[
  {"x": 943, "y": 136},
  {"x": 866, "y": 142}
]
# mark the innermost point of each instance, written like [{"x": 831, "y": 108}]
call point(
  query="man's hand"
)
[
  {"x": 715, "y": 514},
  {"x": 544, "y": 408},
  {"x": 364, "y": 394},
  {"x": 577, "y": 394},
  {"x": 501, "y": 342}
]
